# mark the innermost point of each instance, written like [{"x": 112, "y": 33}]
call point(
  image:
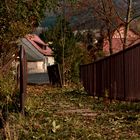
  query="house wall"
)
[
  {"x": 117, "y": 41},
  {"x": 50, "y": 60},
  {"x": 40, "y": 66},
  {"x": 35, "y": 67}
]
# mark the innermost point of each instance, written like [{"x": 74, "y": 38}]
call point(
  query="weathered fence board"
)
[
  {"x": 23, "y": 79},
  {"x": 116, "y": 76},
  {"x": 54, "y": 75}
]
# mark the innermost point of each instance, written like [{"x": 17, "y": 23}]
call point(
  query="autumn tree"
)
[
  {"x": 109, "y": 14},
  {"x": 17, "y": 18},
  {"x": 112, "y": 14}
]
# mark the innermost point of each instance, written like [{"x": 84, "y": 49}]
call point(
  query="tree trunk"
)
[
  {"x": 110, "y": 42},
  {"x": 127, "y": 23}
]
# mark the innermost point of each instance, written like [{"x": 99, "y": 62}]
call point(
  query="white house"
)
[{"x": 39, "y": 55}]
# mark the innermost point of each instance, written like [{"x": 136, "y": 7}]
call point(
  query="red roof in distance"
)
[{"x": 41, "y": 46}]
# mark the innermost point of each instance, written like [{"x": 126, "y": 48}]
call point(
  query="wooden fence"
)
[{"x": 116, "y": 76}]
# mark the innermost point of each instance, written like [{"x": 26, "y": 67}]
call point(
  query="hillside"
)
[{"x": 82, "y": 15}]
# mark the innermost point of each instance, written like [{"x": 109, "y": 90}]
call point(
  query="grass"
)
[{"x": 70, "y": 114}]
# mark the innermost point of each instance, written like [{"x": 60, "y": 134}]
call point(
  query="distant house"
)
[
  {"x": 117, "y": 40},
  {"x": 39, "y": 55}
]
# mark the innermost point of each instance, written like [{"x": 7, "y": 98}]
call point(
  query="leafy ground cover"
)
[{"x": 70, "y": 114}]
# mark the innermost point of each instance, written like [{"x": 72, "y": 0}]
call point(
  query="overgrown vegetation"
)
[
  {"x": 53, "y": 113},
  {"x": 7, "y": 88},
  {"x": 9, "y": 100},
  {"x": 67, "y": 52},
  {"x": 18, "y": 18},
  {"x": 67, "y": 114}
]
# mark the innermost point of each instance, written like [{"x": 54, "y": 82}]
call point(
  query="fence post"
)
[
  {"x": 23, "y": 79},
  {"x": 110, "y": 84},
  {"x": 124, "y": 74}
]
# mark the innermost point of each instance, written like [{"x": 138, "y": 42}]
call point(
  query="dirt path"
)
[{"x": 70, "y": 114}]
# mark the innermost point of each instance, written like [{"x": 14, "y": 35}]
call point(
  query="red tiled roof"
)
[{"x": 35, "y": 40}]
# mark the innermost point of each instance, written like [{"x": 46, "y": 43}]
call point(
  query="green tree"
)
[{"x": 66, "y": 50}]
